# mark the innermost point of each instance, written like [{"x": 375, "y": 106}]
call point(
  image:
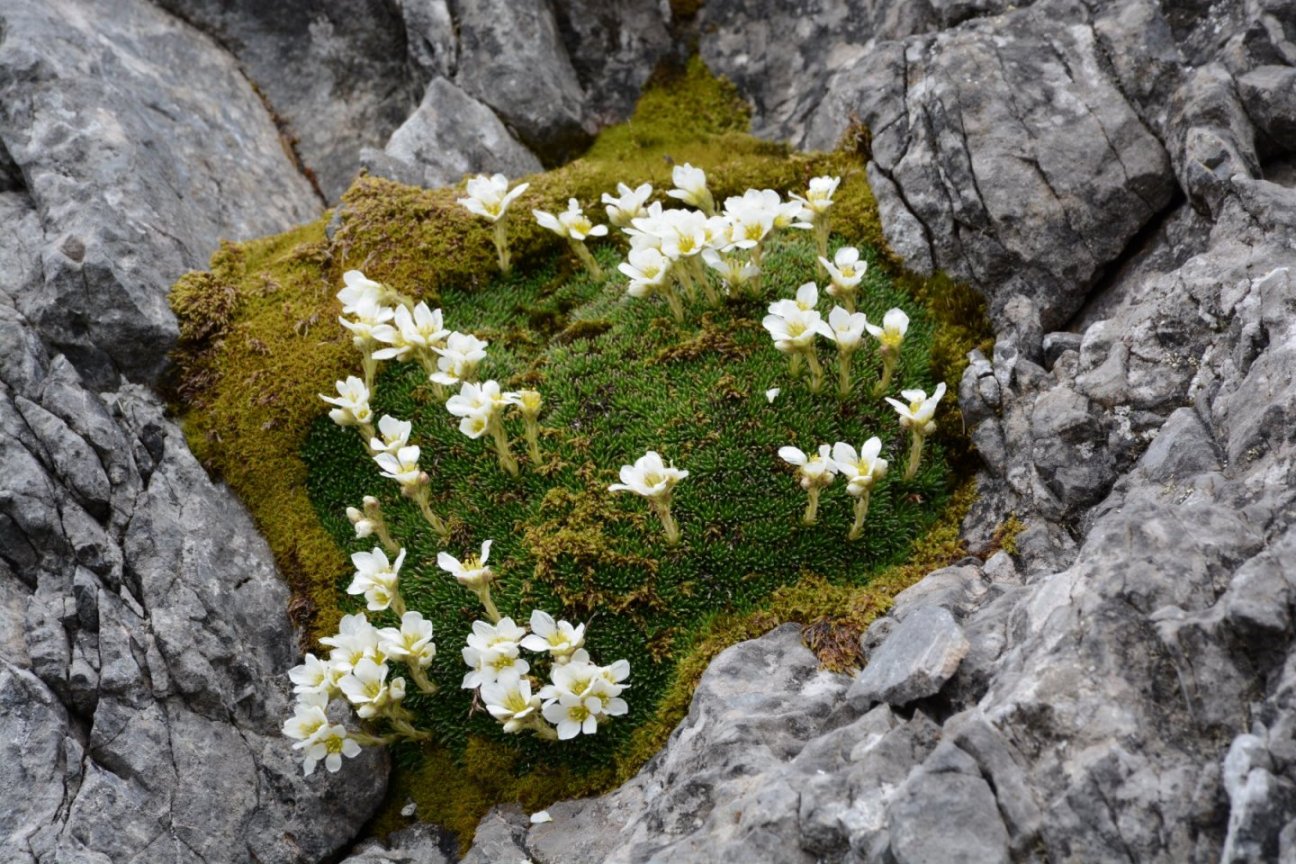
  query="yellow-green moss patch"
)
[{"x": 260, "y": 341}]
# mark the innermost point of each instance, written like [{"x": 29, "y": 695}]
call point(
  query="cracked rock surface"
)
[
  {"x": 144, "y": 636},
  {"x": 1117, "y": 178}
]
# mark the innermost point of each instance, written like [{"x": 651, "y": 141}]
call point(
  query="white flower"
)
[
  {"x": 355, "y": 640},
  {"x": 918, "y": 414},
  {"x": 364, "y": 526},
  {"x": 412, "y": 643},
  {"x": 649, "y": 477},
  {"x": 571, "y": 223},
  {"x": 492, "y": 653},
  {"x": 503, "y": 635},
  {"x": 751, "y": 217},
  {"x": 368, "y": 689},
  {"x": 573, "y": 715},
  {"x": 845, "y": 271},
  {"x": 574, "y": 678},
  {"x": 559, "y": 638},
  {"x": 847, "y": 328},
  {"x": 402, "y": 466},
  {"x": 616, "y": 674},
  {"x": 478, "y": 404},
  {"x": 684, "y": 233},
  {"x": 329, "y": 745},
  {"x": 360, "y": 290},
  {"x": 807, "y": 296},
  {"x": 860, "y": 470},
  {"x": 376, "y": 578},
  {"x": 490, "y": 197},
  {"x": 421, "y": 329},
  {"x": 734, "y": 272},
  {"x": 369, "y": 318},
  {"x": 459, "y": 358},
  {"x": 509, "y": 700},
  {"x": 812, "y": 471},
  {"x": 793, "y": 328},
  {"x": 647, "y": 269},
  {"x": 308, "y": 720},
  {"x": 313, "y": 676},
  {"x": 819, "y": 197},
  {"x": 472, "y": 572},
  {"x": 772, "y": 394},
  {"x": 352, "y": 403},
  {"x": 690, "y": 186},
  {"x": 628, "y": 203},
  {"x": 394, "y": 435},
  {"x": 895, "y": 323}
]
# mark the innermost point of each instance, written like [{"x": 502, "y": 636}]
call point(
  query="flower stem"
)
[
  {"x": 668, "y": 522},
  {"x": 533, "y": 441},
  {"x": 812, "y": 506},
  {"x": 844, "y": 373},
  {"x": 406, "y": 730},
  {"x": 586, "y": 258},
  {"x": 816, "y": 371},
  {"x": 888, "y": 367},
  {"x": 685, "y": 277},
  {"x": 861, "y": 510},
  {"x": 700, "y": 272},
  {"x": 821, "y": 234},
  {"x": 501, "y": 244},
  {"x": 420, "y": 679},
  {"x": 795, "y": 364},
  {"x": 492, "y": 612},
  {"x": 676, "y": 305},
  {"x": 370, "y": 366},
  {"x": 915, "y": 455},
  {"x": 848, "y": 300},
  {"x": 543, "y": 729},
  {"x": 506, "y": 460},
  {"x": 384, "y": 536},
  {"x": 425, "y": 507}
]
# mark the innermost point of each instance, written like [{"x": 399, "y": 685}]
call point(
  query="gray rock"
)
[
  {"x": 511, "y": 57},
  {"x": 430, "y": 38},
  {"x": 450, "y": 135},
  {"x": 915, "y": 660},
  {"x": 946, "y": 817},
  {"x": 614, "y": 46},
  {"x": 501, "y": 836},
  {"x": 144, "y": 638},
  {"x": 1006, "y": 141},
  {"x": 418, "y": 844},
  {"x": 334, "y": 72},
  {"x": 1269, "y": 96},
  {"x": 171, "y": 150}
]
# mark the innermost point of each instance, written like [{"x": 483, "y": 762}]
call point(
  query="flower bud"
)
[{"x": 530, "y": 402}]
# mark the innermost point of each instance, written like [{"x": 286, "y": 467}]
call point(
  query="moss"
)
[{"x": 260, "y": 341}]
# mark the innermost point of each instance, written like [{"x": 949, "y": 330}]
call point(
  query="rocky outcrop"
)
[
  {"x": 334, "y": 72},
  {"x": 141, "y": 145},
  {"x": 144, "y": 636},
  {"x": 1120, "y": 686},
  {"x": 450, "y": 135}
]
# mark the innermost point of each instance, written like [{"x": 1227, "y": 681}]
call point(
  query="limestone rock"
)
[
  {"x": 914, "y": 661},
  {"x": 335, "y": 72},
  {"x": 450, "y": 135},
  {"x": 144, "y": 637},
  {"x": 142, "y": 145},
  {"x": 511, "y": 57}
]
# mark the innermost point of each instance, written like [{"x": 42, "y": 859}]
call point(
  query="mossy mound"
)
[{"x": 260, "y": 341}]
